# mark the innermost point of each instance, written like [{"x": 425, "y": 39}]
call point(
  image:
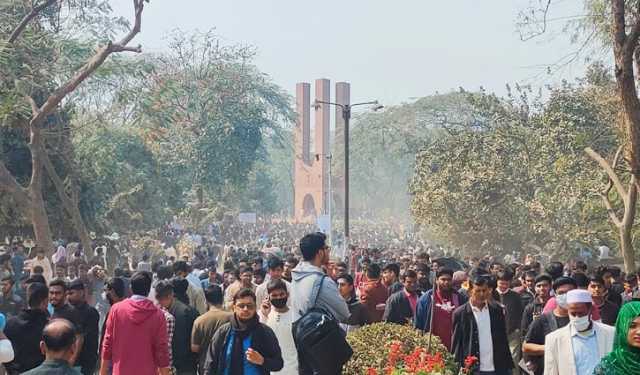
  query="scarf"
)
[
  {"x": 624, "y": 359},
  {"x": 239, "y": 335}
]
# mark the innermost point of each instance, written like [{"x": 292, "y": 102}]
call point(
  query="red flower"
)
[
  {"x": 416, "y": 362},
  {"x": 470, "y": 361}
]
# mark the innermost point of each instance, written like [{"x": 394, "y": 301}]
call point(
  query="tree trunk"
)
[
  {"x": 31, "y": 198},
  {"x": 629, "y": 199},
  {"x": 80, "y": 227},
  {"x": 69, "y": 201},
  {"x": 626, "y": 243},
  {"x": 626, "y": 247},
  {"x": 40, "y": 222},
  {"x": 37, "y": 210}
]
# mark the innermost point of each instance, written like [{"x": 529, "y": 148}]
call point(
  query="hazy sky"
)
[{"x": 389, "y": 50}]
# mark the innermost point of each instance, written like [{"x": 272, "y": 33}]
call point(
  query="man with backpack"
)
[{"x": 318, "y": 308}]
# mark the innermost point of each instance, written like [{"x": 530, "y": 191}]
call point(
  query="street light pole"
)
[
  {"x": 346, "y": 115},
  {"x": 329, "y": 202}
]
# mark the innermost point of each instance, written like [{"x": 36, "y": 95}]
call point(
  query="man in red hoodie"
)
[
  {"x": 136, "y": 340},
  {"x": 374, "y": 294}
]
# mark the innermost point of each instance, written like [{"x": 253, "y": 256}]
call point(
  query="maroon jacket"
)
[{"x": 374, "y": 294}]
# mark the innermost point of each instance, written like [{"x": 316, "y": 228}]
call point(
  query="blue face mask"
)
[
  {"x": 50, "y": 308},
  {"x": 561, "y": 300}
]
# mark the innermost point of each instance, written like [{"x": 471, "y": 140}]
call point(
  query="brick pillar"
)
[
  {"x": 301, "y": 142},
  {"x": 322, "y": 134}
]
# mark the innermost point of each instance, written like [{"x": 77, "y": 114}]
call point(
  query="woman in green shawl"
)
[{"x": 625, "y": 357}]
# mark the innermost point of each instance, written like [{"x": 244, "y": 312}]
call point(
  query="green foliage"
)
[
  {"x": 279, "y": 167},
  {"x": 370, "y": 346},
  {"x": 210, "y": 110},
  {"x": 205, "y": 118},
  {"x": 122, "y": 187},
  {"x": 383, "y": 148},
  {"x": 517, "y": 177}
]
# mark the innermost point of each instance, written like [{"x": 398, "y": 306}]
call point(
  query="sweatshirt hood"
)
[
  {"x": 304, "y": 269},
  {"x": 140, "y": 310}
]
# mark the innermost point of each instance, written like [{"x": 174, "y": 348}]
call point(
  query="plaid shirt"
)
[{"x": 171, "y": 326}]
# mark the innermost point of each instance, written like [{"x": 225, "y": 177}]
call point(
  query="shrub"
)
[{"x": 374, "y": 345}]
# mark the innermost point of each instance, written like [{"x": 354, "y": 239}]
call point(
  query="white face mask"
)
[
  {"x": 580, "y": 323},
  {"x": 561, "y": 300}
]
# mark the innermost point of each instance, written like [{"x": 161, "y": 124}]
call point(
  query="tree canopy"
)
[{"x": 514, "y": 174}]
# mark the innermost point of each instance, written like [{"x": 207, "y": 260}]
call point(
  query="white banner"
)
[
  {"x": 324, "y": 223},
  {"x": 247, "y": 217}
]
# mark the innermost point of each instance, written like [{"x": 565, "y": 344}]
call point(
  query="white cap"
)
[{"x": 579, "y": 296}]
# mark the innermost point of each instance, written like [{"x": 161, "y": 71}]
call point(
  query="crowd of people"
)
[{"x": 254, "y": 299}]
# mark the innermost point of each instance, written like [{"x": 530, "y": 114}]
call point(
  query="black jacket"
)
[
  {"x": 512, "y": 303},
  {"x": 89, "y": 320},
  {"x": 359, "y": 313},
  {"x": 25, "y": 332},
  {"x": 398, "y": 309},
  {"x": 263, "y": 340},
  {"x": 182, "y": 356},
  {"x": 465, "y": 339},
  {"x": 395, "y": 288}
]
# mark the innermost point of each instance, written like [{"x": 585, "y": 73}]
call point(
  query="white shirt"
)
[
  {"x": 6, "y": 351},
  {"x": 483, "y": 321},
  {"x": 60, "y": 253},
  {"x": 281, "y": 323}
]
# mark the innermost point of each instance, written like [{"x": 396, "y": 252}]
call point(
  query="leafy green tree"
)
[
  {"x": 514, "y": 175},
  {"x": 207, "y": 112},
  {"x": 122, "y": 187},
  {"x": 35, "y": 56},
  {"x": 614, "y": 27}
]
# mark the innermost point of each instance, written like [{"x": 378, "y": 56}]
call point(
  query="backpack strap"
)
[{"x": 315, "y": 292}]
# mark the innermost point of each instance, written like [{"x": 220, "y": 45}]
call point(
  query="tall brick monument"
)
[{"x": 311, "y": 166}]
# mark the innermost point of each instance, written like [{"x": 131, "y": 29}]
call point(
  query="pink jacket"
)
[{"x": 135, "y": 339}]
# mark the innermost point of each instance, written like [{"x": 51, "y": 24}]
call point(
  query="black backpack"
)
[{"x": 319, "y": 339}]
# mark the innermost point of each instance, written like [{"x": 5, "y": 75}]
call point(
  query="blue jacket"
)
[{"x": 423, "y": 309}]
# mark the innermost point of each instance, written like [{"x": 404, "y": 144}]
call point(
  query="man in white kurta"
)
[{"x": 276, "y": 314}]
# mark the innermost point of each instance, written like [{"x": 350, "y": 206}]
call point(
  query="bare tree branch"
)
[
  {"x": 610, "y": 210},
  {"x": 545, "y": 11},
  {"x": 119, "y": 48},
  {"x": 616, "y": 158},
  {"x": 25, "y": 21},
  {"x": 630, "y": 203},
  {"x": 85, "y": 71},
  {"x": 34, "y": 105},
  {"x": 609, "y": 170}
]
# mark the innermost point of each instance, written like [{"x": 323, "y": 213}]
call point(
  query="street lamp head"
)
[
  {"x": 316, "y": 105},
  {"x": 378, "y": 107}
]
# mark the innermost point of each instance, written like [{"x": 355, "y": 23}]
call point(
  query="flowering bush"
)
[{"x": 391, "y": 349}]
